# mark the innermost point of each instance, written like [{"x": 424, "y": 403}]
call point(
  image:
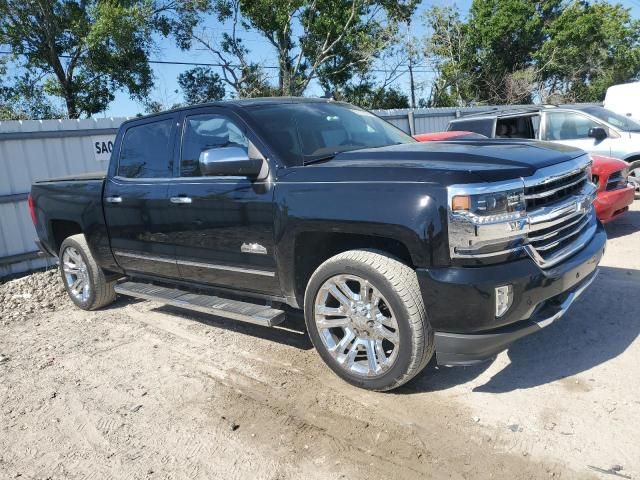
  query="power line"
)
[{"x": 420, "y": 69}]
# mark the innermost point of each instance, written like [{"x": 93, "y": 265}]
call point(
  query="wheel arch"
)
[
  {"x": 311, "y": 249},
  {"x": 61, "y": 230}
]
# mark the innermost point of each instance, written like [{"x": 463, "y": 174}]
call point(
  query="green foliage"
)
[
  {"x": 22, "y": 98},
  {"x": 512, "y": 51},
  {"x": 590, "y": 47},
  {"x": 502, "y": 35},
  {"x": 80, "y": 51},
  {"x": 201, "y": 85},
  {"x": 447, "y": 46},
  {"x": 338, "y": 38},
  {"x": 366, "y": 95}
]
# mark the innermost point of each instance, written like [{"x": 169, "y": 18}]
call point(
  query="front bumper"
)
[
  {"x": 461, "y": 305},
  {"x": 609, "y": 205}
]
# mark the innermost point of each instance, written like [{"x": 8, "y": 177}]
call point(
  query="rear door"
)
[
  {"x": 136, "y": 198},
  {"x": 223, "y": 226}
]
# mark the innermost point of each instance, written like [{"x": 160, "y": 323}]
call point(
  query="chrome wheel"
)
[
  {"x": 76, "y": 274},
  {"x": 356, "y": 325}
]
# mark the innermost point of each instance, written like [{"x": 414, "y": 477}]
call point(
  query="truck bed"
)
[{"x": 75, "y": 178}]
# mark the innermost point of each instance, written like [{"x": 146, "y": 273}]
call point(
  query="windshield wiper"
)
[{"x": 323, "y": 158}]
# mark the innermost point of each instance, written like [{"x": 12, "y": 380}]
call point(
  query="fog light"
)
[{"x": 504, "y": 299}]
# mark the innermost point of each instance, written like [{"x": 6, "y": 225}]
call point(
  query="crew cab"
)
[{"x": 394, "y": 249}]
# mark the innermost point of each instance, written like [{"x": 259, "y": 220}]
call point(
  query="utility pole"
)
[{"x": 412, "y": 86}]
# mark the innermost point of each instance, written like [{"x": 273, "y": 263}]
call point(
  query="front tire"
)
[
  {"x": 366, "y": 318},
  {"x": 83, "y": 279},
  {"x": 634, "y": 171}
]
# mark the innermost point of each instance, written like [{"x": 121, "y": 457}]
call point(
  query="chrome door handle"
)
[
  {"x": 180, "y": 199},
  {"x": 114, "y": 199}
]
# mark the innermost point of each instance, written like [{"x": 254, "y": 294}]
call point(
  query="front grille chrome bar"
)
[
  {"x": 553, "y": 191},
  {"x": 558, "y": 256},
  {"x": 583, "y": 222}
]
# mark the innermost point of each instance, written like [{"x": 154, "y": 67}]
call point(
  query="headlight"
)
[
  {"x": 486, "y": 220},
  {"x": 490, "y": 207}
]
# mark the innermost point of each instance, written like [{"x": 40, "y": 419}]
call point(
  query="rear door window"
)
[
  {"x": 146, "y": 150},
  {"x": 483, "y": 126},
  {"x": 517, "y": 127}
]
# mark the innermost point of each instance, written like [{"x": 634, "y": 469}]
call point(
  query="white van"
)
[{"x": 624, "y": 99}]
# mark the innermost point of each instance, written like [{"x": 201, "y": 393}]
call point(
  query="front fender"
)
[{"x": 410, "y": 213}]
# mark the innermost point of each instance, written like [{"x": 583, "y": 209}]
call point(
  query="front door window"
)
[{"x": 568, "y": 126}]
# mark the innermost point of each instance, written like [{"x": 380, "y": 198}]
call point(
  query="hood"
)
[{"x": 491, "y": 160}]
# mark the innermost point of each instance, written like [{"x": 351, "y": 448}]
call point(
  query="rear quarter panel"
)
[{"x": 78, "y": 201}]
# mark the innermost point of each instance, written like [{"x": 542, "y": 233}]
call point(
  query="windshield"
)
[
  {"x": 306, "y": 132},
  {"x": 619, "y": 121}
]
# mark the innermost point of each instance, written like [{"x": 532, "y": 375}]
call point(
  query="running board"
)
[{"x": 221, "y": 307}]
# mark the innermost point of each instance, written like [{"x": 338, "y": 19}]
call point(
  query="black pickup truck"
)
[{"x": 394, "y": 249}]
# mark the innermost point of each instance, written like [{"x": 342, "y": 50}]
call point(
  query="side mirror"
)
[
  {"x": 598, "y": 133},
  {"x": 231, "y": 162}
]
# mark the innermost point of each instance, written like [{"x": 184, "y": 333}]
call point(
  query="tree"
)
[
  {"x": 590, "y": 47},
  {"x": 246, "y": 78},
  {"x": 368, "y": 96},
  {"x": 21, "y": 98},
  {"x": 328, "y": 40},
  {"x": 519, "y": 51},
  {"x": 81, "y": 51},
  {"x": 447, "y": 47},
  {"x": 502, "y": 36},
  {"x": 201, "y": 85}
]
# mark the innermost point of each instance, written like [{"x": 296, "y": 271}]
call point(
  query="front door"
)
[
  {"x": 136, "y": 198},
  {"x": 572, "y": 128},
  {"x": 222, "y": 226}
]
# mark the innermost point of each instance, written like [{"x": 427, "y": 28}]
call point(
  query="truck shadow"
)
[
  {"x": 627, "y": 224},
  {"x": 291, "y": 332},
  {"x": 601, "y": 325}
]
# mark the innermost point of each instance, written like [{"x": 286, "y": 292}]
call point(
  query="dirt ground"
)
[{"x": 141, "y": 390}]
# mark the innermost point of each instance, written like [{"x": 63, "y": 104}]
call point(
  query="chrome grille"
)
[
  {"x": 560, "y": 211},
  {"x": 554, "y": 190},
  {"x": 558, "y": 221}
]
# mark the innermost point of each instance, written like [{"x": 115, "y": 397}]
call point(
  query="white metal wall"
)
[
  {"x": 428, "y": 120},
  {"x": 34, "y": 150}
]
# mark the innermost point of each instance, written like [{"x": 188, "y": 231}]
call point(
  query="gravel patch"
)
[{"x": 37, "y": 293}]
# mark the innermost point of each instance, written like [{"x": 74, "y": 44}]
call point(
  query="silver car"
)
[{"x": 589, "y": 127}]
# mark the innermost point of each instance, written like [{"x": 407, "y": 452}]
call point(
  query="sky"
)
[{"x": 166, "y": 76}]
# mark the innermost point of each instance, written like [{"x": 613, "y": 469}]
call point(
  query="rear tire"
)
[
  {"x": 83, "y": 279},
  {"x": 376, "y": 300}
]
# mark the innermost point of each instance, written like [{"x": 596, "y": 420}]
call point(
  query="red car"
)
[
  {"x": 609, "y": 174},
  {"x": 614, "y": 193},
  {"x": 453, "y": 135}
]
